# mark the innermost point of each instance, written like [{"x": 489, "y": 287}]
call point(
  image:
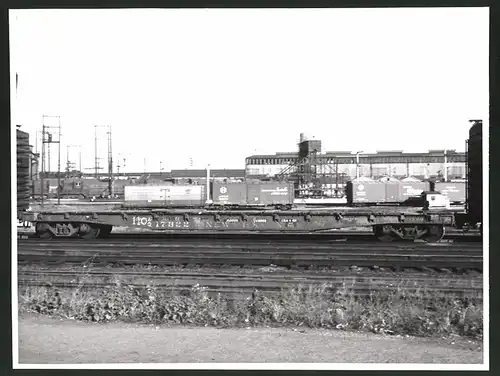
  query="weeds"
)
[{"x": 392, "y": 312}]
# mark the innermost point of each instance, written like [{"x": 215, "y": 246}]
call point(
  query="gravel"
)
[{"x": 45, "y": 340}]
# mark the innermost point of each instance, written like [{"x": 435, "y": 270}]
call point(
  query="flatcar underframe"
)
[{"x": 427, "y": 226}]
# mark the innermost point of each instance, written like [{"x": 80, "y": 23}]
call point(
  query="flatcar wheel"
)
[
  {"x": 434, "y": 233},
  {"x": 44, "y": 234},
  {"x": 91, "y": 232},
  {"x": 384, "y": 233},
  {"x": 104, "y": 231}
]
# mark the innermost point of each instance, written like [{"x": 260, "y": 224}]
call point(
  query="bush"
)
[{"x": 316, "y": 307}]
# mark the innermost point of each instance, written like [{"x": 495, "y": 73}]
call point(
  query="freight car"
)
[
  {"x": 387, "y": 224},
  {"x": 77, "y": 188},
  {"x": 473, "y": 216},
  {"x": 279, "y": 195},
  {"x": 23, "y": 170},
  {"x": 475, "y": 174},
  {"x": 145, "y": 196},
  {"x": 223, "y": 196},
  {"x": 455, "y": 191},
  {"x": 361, "y": 192}
]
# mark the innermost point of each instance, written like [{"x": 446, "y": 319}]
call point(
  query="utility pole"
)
[
  {"x": 43, "y": 162},
  {"x": 445, "y": 166},
  {"x": 96, "y": 159},
  {"x": 110, "y": 162},
  {"x": 59, "y": 164},
  {"x": 71, "y": 164},
  {"x": 49, "y": 141},
  {"x": 95, "y": 153},
  {"x": 36, "y": 141},
  {"x": 336, "y": 174},
  {"x": 357, "y": 163},
  {"x": 48, "y": 155},
  {"x": 68, "y": 164},
  {"x": 208, "y": 200},
  {"x": 121, "y": 159}
]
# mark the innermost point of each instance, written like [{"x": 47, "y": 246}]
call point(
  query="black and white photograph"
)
[{"x": 280, "y": 188}]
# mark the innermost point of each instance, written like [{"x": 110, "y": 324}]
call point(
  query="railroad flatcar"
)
[{"x": 387, "y": 223}]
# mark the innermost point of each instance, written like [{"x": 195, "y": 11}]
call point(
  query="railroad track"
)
[
  {"x": 242, "y": 252},
  {"x": 367, "y": 236},
  {"x": 236, "y": 284}
]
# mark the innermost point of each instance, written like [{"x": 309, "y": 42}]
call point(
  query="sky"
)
[{"x": 216, "y": 86}]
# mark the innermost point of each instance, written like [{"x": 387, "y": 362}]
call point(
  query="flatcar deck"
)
[{"x": 396, "y": 223}]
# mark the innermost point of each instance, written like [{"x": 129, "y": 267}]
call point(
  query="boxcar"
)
[
  {"x": 365, "y": 192},
  {"x": 229, "y": 193},
  {"x": 270, "y": 193},
  {"x": 454, "y": 191},
  {"x": 23, "y": 169},
  {"x": 253, "y": 194},
  {"x": 165, "y": 195},
  {"x": 413, "y": 189},
  {"x": 475, "y": 173}
]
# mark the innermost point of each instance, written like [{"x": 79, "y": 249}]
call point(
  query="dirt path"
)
[{"x": 48, "y": 340}]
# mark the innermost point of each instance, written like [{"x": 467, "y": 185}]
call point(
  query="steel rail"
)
[
  {"x": 354, "y": 236},
  {"x": 283, "y": 254},
  {"x": 217, "y": 243},
  {"x": 252, "y": 280},
  {"x": 239, "y": 274},
  {"x": 215, "y": 286}
]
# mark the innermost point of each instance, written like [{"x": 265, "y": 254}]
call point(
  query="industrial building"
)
[{"x": 346, "y": 165}]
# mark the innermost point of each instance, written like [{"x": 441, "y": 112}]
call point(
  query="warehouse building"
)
[{"x": 396, "y": 164}]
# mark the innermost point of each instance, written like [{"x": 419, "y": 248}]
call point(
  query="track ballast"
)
[{"x": 280, "y": 252}]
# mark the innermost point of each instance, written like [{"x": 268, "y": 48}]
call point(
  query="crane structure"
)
[{"x": 311, "y": 173}]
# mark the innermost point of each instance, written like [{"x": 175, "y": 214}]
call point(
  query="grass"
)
[{"x": 391, "y": 312}]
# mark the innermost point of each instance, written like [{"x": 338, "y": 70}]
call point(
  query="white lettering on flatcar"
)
[
  {"x": 172, "y": 224},
  {"x": 23, "y": 223},
  {"x": 142, "y": 221}
]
